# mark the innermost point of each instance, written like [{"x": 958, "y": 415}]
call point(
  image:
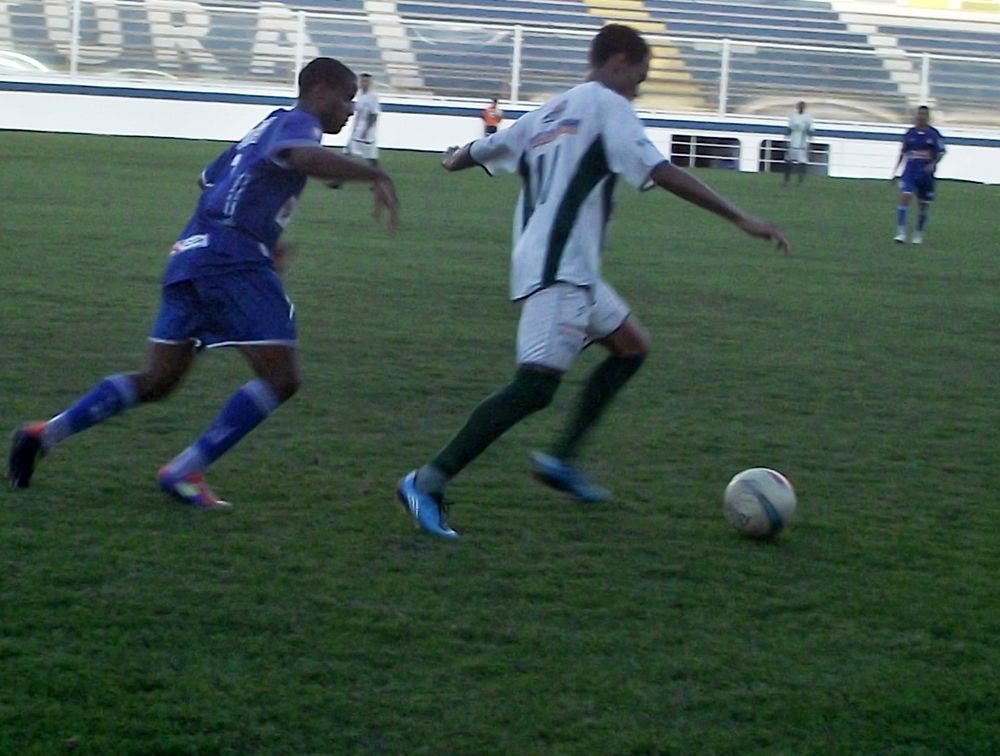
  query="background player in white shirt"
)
[
  {"x": 799, "y": 129},
  {"x": 364, "y": 136},
  {"x": 569, "y": 154}
]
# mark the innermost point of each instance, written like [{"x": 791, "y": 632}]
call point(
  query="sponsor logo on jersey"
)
[
  {"x": 191, "y": 242},
  {"x": 565, "y": 126}
]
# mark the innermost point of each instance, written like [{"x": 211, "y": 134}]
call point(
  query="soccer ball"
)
[{"x": 759, "y": 502}]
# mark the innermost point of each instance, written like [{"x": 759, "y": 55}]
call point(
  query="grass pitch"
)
[{"x": 313, "y": 619}]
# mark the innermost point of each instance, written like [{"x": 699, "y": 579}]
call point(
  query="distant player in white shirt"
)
[
  {"x": 364, "y": 135},
  {"x": 799, "y": 130},
  {"x": 569, "y": 153}
]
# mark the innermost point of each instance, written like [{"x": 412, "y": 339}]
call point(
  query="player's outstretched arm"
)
[
  {"x": 457, "y": 158},
  {"x": 322, "y": 163},
  {"x": 678, "y": 181}
]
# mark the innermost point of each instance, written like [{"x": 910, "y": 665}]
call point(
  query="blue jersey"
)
[
  {"x": 248, "y": 198},
  {"x": 921, "y": 148}
]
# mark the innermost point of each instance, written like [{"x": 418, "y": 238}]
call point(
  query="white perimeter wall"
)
[{"x": 856, "y": 150}]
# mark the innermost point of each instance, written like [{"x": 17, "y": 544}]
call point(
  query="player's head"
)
[
  {"x": 494, "y": 101},
  {"x": 326, "y": 89},
  {"x": 801, "y": 106},
  {"x": 619, "y": 59},
  {"x": 365, "y": 82},
  {"x": 922, "y": 116}
]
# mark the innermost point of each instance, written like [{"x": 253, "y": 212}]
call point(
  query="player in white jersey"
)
[
  {"x": 799, "y": 129},
  {"x": 569, "y": 154},
  {"x": 364, "y": 135}
]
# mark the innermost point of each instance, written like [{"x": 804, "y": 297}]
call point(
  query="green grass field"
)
[{"x": 313, "y": 619}]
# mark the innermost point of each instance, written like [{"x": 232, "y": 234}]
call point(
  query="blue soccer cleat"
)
[
  {"x": 564, "y": 477},
  {"x": 25, "y": 450},
  {"x": 427, "y": 510}
]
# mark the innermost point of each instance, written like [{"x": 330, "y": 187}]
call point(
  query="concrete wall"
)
[{"x": 137, "y": 109}]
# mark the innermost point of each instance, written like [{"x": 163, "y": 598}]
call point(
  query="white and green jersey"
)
[
  {"x": 365, "y": 106},
  {"x": 569, "y": 154},
  {"x": 799, "y": 128}
]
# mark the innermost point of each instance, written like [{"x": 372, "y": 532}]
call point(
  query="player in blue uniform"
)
[
  {"x": 923, "y": 148},
  {"x": 222, "y": 288}
]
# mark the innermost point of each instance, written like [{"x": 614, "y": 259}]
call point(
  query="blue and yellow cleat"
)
[
  {"x": 25, "y": 450},
  {"x": 564, "y": 477},
  {"x": 427, "y": 510},
  {"x": 191, "y": 489}
]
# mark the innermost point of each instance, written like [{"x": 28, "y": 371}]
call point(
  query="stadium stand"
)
[
  {"x": 528, "y": 12},
  {"x": 185, "y": 40},
  {"x": 709, "y": 55},
  {"x": 961, "y": 82},
  {"x": 945, "y": 41},
  {"x": 687, "y": 69}
]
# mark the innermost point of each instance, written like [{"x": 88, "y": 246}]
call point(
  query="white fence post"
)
[
  {"x": 925, "y": 78},
  {"x": 74, "y": 39},
  {"x": 724, "y": 77},
  {"x": 515, "y": 67},
  {"x": 300, "y": 45}
]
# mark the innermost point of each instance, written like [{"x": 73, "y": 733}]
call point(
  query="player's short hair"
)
[
  {"x": 924, "y": 107},
  {"x": 614, "y": 39},
  {"x": 365, "y": 76},
  {"x": 327, "y": 71}
]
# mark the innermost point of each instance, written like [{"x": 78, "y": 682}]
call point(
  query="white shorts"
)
[
  {"x": 362, "y": 149},
  {"x": 559, "y": 321},
  {"x": 798, "y": 155}
]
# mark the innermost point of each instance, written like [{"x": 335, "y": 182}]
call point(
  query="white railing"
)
[{"x": 265, "y": 45}]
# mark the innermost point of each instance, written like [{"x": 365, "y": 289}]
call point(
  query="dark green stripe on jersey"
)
[
  {"x": 592, "y": 168},
  {"x": 527, "y": 204},
  {"x": 608, "y": 203}
]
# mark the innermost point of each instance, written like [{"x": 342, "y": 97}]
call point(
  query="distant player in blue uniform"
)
[
  {"x": 923, "y": 148},
  {"x": 222, "y": 288}
]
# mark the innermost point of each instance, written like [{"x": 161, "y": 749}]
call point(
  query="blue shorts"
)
[
  {"x": 918, "y": 182},
  {"x": 230, "y": 309}
]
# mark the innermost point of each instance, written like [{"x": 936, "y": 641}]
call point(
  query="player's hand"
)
[
  {"x": 281, "y": 255},
  {"x": 761, "y": 229},
  {"x": 448, "y": 159},
  {"x": 384, "y": 193}
]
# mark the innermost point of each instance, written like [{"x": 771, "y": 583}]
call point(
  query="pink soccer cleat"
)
[{"x": 191, "y": 489}]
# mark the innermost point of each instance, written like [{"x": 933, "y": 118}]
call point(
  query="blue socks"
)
[
  {"x": 921, "y": 220},
  {"x": 244, "y": 411},
  {"x": 241, "y": 414},
  {"x": 901, "y": 216},
  {"x": 109, "y": 397}
]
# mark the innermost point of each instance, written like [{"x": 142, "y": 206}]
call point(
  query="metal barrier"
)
[{"x": 266, "y": 44}]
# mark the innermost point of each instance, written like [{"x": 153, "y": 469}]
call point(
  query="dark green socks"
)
[
  {"x": 529, "y": 392},
  {"x": 602, "y": 386}
]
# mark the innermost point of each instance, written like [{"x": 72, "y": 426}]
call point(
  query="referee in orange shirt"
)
[{"x": 492, "y": 115}]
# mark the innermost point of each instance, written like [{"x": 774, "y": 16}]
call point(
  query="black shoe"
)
[{"x": 25, "y": 449}]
